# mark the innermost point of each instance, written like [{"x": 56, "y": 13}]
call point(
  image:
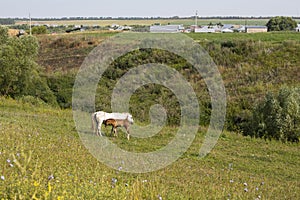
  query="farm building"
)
[
  {"x": 256, "y": 29},
  {"x": 205, "y": 29},
  {"x": 227, "y": 30},
  {"x": 166, "y": 29}
]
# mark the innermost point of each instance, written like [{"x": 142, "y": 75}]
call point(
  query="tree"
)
[
  {"x": 277, "y": 117},
  {"x": 281, "y": 24},
  {"x": 19, "y": 73}
]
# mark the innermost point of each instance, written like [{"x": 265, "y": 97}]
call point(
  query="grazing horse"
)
[
  {"x": 118, "y": 123},
  {"x": 99, "y": 117}
]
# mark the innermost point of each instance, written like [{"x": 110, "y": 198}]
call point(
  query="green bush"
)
[
  {"x": 39, "y": 30},
  {"x": 62, "y": 86},
  {"x": 277, "y": 117}
]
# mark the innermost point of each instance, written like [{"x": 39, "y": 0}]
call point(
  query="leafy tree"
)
[
  {"x": 277, "y": 117},
  {"x": 19, "y": 73},
  {"x": 281, "y": 24}
]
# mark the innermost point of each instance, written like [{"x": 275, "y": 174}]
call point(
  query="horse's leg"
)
[
  {"x": 93, "y": 123},
  {"x": 99, "y": 128}
]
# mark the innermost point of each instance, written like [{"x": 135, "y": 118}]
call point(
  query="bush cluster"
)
[{"x": 277, "y": 116}]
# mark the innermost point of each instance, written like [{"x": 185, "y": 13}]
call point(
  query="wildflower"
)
[
  {"x": 256, "y": 188},
  {"x": 231, "y": 181},
  {"x": 50, "y": 177},
  {"x": 113, "y": 182},
  {"x": 36, "y": 184},
  {"x": 144, "y": 181},
  {"x": 120, "y": 168},
  {"x": 2, "y": 178},
  {"x": 262, "y": 183},
  {"x": 230, "y": 166},
  {"x": 245, "y": 184},
  {"x": 8, "y": 160},
  {"x": 159, "y": 197},
  {"x": 246, "y": 189},
  {"x": 126, "y": 185},
  {"x": 258, "y": 198},
  {"x": 18, "y": 154},
  {"x": 11, "y": 165}
]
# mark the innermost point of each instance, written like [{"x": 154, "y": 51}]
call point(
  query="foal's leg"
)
[
  {"x": 115, "y": 131},
  {"x": 128, "y": 134},
  {"x": 112, "y": 130}
]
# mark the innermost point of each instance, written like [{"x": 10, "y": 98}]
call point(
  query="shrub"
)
[
  {"x": 277, "y": 117},
  {"x": 39, "y": 30}
]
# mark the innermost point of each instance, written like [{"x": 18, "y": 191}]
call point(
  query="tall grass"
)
[{"x": 42, "y": 157}]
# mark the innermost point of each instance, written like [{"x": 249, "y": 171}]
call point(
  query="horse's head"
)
[{"x": 129, "y": 118}]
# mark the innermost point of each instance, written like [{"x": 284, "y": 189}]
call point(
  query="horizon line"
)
[{"x": 153, "y": 17}]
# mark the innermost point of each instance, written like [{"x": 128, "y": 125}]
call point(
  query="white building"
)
[
  {"x": 227, "y": 30},
  {"x": 205, "y": 29},
  {"x": 166, "y": 29}
]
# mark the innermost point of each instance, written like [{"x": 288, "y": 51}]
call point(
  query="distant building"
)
[
  {"x": 205, "y": 29},
  {"x": 298, "y": 28},
  {"x": 227, "y": 30},
  {"x": 256, "y": 29},
  {"x": 166, "y": 29}
]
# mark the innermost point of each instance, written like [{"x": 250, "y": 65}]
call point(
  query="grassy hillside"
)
[
  {"x": 42, "y": 157},
  {"x": 250, "y": 64}
]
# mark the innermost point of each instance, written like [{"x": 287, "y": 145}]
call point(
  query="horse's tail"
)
[{"x": 94, "y": 121}]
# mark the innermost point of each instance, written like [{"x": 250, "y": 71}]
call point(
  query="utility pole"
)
[
  {"x": 30, "y": 31},
  {"x": 196, "y": 18}
]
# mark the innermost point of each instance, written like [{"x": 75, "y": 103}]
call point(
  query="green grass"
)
[{"x": 42, "y": 157}]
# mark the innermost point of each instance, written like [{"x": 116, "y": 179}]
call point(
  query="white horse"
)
[{"x": 100, "y": 116}]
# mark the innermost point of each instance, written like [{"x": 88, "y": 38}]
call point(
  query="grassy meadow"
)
[{"x": 42, "y": 157}]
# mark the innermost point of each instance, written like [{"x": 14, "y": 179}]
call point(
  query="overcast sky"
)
[{"x": 148, "y": 8}]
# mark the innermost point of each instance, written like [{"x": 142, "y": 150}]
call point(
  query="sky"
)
[{"x": 148, "y": 8}]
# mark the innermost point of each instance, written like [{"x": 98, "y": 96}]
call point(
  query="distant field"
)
[{"x": 185, "y": 22}]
